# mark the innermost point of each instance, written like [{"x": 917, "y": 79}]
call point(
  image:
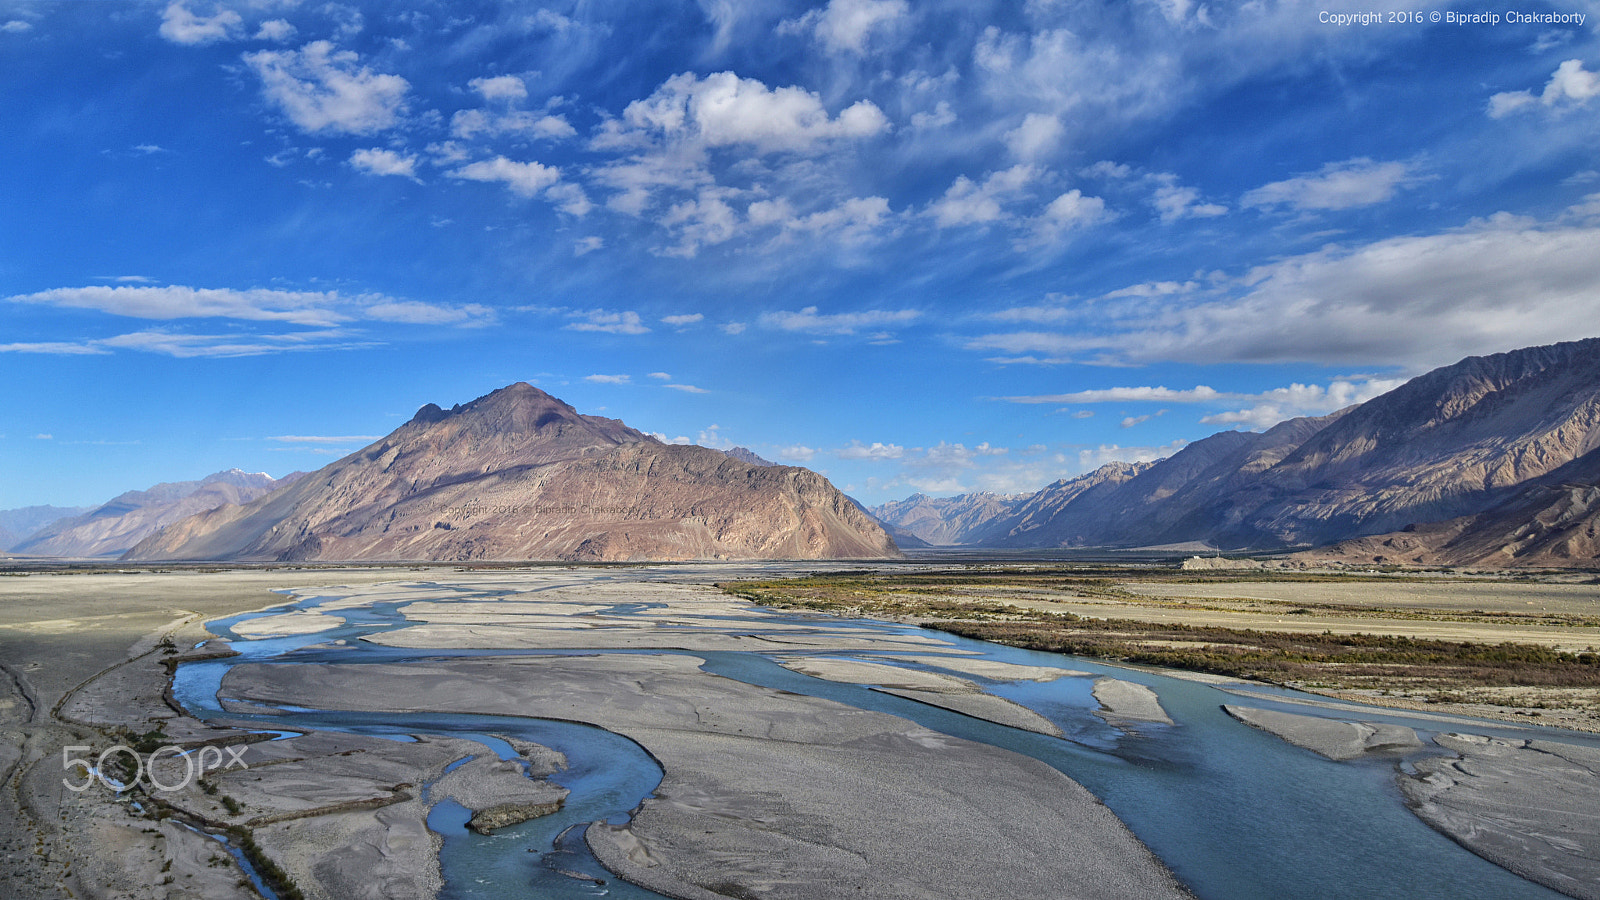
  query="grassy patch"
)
[{"x": 947, "y": 601}]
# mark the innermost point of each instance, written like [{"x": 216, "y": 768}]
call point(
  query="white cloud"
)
[
  {"x": 733, "y": 328},
  {"x": 1037, "y": 136},
  {"x": 844, "y": 26},
  {"x": 967, "y": 202},
  {"x": 278, "y": 30},
  {"x": 809, "y": 321},
  {"x": 413, "y": 312},
  {"x": 1065, "y": 214},
  {"x": 177, "y": 302},
  {"x": 687, "y": 388},
  {"x": 55, "y": 348},
  {"x": 627, "y": 322},
  {"x": 586, "y": 245},
  {"x": 1199, "y": 394},
  {"x": 711, "y": 436},
  {"x": 852, "y": 223},
  {"x": 1569, "y": 86},
  {"x": 570, "y": 199},
  {"x": 377, "y": 161},
  {"x": 1414, "y": 300},
  {"x": 705, "y": 220},
  {"x": 181, "y": 26},
  {"x": 660, "y": 375},
  {"x": 1175, "y": 202},
  {"x": 941, "y": 116},
  {"x": 325, "y": 439},
  {"x": 15, "y": 26},
  {"x": 680, "y": 321},
  {"x": 796, "y": 452},
  {"x": 1340, "y": 185},
  {"x": 467, "y": 124},
  {"x": 500, "y": 87},
  {"x": 723, "y": 110},
  {"x": 193, "y": 346},
  {"x": 1091, "y": 459},
  {"x": 1297, "y": 399},
  {"x": 323, "y": 89},
  {"x": 874, "y": 451},
  {"x": 608, "y": 379},
  {"x": 1271, "y": 406},
  {"x": 525, "y": 179}
]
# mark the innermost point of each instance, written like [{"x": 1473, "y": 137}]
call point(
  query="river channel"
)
[{"x": 1234, "y": 812}]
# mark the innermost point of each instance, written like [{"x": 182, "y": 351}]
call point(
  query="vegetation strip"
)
[{"x": 946, "y": 601}]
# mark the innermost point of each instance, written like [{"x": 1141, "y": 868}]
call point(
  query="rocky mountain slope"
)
[
  {"x": 1482, "y": 435},
  {"x": 518, "y": 474},
  {"x": 116, "y": 525},
  {"x": 1552, "y": 522}
]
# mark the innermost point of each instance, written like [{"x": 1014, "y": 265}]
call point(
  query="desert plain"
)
[{"x": 762, "y": 792}]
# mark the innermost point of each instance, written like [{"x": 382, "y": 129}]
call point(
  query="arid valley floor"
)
[{"x": 799, "y": 752}]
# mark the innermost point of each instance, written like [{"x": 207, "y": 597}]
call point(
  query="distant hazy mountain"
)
[
  {"x": 945, "y": 521},
  {"x": 1485, "y": 434},
  {"x": 518, "y": 474},
  {"x": 17, "y": 524},
  {"x": 111, "y": 528}
]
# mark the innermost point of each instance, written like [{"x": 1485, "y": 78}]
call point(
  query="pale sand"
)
[
  {"x": 1530, "y": 806},
  {"x": 780, "y": 794},
  {"x": 933, "y": 688},
  {"x": 856, "y": 671},
  {"x": 987, "y": 707},
  {"x": 286, "y": 624},
  {"x": 992, "y": 669},
  {"x": 1124, "y": 701},
  {"x": 1331, "y": 738}
]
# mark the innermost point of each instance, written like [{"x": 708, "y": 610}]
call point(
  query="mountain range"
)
[
  {"x": 116, "y": 525},
  {"x": 1490, "y": 461},
  {"x": 518, "y": 474},
  {"x": 17, "y": 524}
]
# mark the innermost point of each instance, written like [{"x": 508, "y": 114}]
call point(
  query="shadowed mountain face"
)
[
  {"x": 1554, "y": 521},
  {"x": 518, "y": 474},
  {"x": 1484, "y": 434},
  {"x": 111, "y": 528}
]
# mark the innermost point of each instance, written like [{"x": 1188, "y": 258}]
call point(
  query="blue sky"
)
[{"x": 917, "y": 246}]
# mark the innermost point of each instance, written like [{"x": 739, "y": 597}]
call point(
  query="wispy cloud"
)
[
  {"x": 810, "y": 321},
  {"x": 1342, "y": 185},
  {"x": 625, "y": 322}
]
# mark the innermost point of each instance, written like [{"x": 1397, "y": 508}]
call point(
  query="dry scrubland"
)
[{"x": 1522, "y": 649}]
